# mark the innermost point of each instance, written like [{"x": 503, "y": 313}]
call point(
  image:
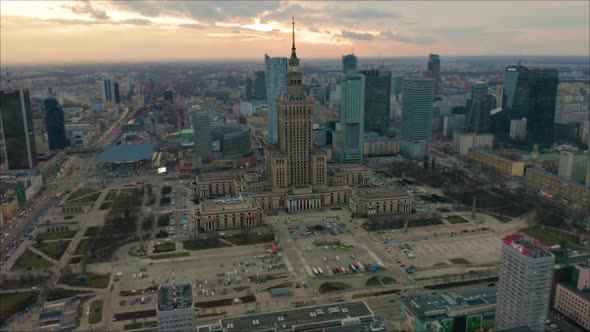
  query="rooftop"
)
[
  {"x": 442, "y": 304},
  {"x": 127, "y": 152},
  {"x": 166, "y": 296},
  {"x": 317, "y": 317},
  {"x": 378, "y": 192},
  {"x": 218, "y": 176},
  {"x": 544, "y": 172},
  {"x": 529, "y": 247}
]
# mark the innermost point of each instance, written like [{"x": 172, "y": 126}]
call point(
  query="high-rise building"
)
[
  {"x": 202, "y": 133},
  {"x": 259, "y": 85},
  {"x": 352, "y": 114},
  {"x": 276, "y": 86},
  {"x": 249, "y": 88},
  {"x": 524, "y": 286},
  {"x": 295, "y": 161},
  {"x": 54, "y": 124},
  {"x": 416, "y": 116},
  {"x": 479, "y": 106},
  {"x": 110, "y": 91},
  {"x": 574, "y": 166},
  {"x": 531, "y": 94},
  {"x": 541, "y": 110},
  {"x": 176, "y": 308},
  {"x": 16, "y": 122},
  {"x": 396, "y": 86},
  {"x": 377, "y": 100},
  {"x": 434, "y": 71},
  {"x": 349, "y": 63},
  {"x": 169, "y": 95}
]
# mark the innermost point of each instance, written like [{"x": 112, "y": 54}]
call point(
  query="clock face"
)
[{"x": 294, "y": 68}]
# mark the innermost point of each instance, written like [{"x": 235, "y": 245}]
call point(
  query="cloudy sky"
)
[{"x": 119, "y": 31}]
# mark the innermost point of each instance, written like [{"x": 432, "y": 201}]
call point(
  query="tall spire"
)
[{"x": 293, "y": 54}]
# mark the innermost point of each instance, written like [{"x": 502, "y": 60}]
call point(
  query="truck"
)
[{"x": 375, "y": 268}]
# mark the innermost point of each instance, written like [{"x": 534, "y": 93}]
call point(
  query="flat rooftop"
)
[
  {"x": 378, "y": 192},
  {"x": 218, "y": 176},
  {"x": 443, "y": 303},
  {"x": 167, "y": 297},
  {"x": 316, "y": 317},
  {"x": 529, "y": 247},
  {"x": 127, "y": 152}
]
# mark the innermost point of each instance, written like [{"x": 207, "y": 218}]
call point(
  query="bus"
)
[
  {"x": 320, "y": 271},
  {"x": 315, "y": 271}
]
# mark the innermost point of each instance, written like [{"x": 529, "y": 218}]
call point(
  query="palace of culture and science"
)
[{"x": 295, "y": 176}]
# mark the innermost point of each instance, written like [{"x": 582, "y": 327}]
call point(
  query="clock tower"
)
[{"x": 294, "y": 75}]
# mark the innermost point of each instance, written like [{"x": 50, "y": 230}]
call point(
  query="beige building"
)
[
  {"x": 227, "y": 213},
  {"x": 573, "y": 300},
  {"x": 9, "y": 208},
  {"x": 513, "y": 162},
  {"x": 217, "y": 184},
  {"x": 381, "y": 146},
  {"x": 371, "y": 201},
  {"x": 556, "y": 187}
]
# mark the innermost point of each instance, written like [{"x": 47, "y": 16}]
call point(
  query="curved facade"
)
[{"x": 234, "y": 140}]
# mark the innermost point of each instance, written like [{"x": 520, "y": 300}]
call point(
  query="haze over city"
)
[{"x": 135, "y": 31}]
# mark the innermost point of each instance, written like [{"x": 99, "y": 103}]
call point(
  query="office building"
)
[
  {"x": 175, "y": 308},
  {"x": 464, "y": 142},
  {"x": 574, "y": 166},
  {"x": 202, "y": 133},
  {"x": 518, "y": 129},
  {"x": 16, "y": 124},
  {"x": 377, "y": 100},
  {"x": 541, "y": 111},
  {"x": 451, "y": 311},
  {"x": 110, "y": 91},
  {"x": 352, "y": 115},
  {"x": 576, "y": 194},
  {"x": 434, "y": 71},
  {"x": 349, "y": 64},
  {"x": 530, "y": 94},
  {"x": 276, "y": 86},
  {"x": 396, "y": 86},
  {"x": 478, "y": 109},
  {"x": 524, "y": 286},
  {"x": 260, "y": 85},
  {"x": 416, "y": 116},
  {"x": 572, "y": 296},
  {"x": 54, "y": 124},
  {"x": 169, "y": 95}
]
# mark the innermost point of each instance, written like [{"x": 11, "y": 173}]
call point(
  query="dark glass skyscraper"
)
[
  {"x": 169, "y": 95},
  {"x": 260, "y": 85},
  {"x": 531, "y": 94},
  {"x": 16, "y": 120},
  {"x": 349, "y": 63},
  {"x": 377, "y": 99},
  {"x": 478, "y": 109},
  {"x": 541, "y": 111},
  {"x": 54, "y": 124},
  {"x": 434, "y": 71}
]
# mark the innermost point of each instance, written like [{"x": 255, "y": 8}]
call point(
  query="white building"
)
[
  {"x": 463, "y": 142},
  {"x": 524, "y": 286},
  {"x": 574, "y": 166},
  {"x": 518, "y": 129},
  {"x": 176, "y": 308}
]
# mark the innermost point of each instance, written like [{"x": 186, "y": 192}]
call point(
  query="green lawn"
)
[
  {"x": 23, "y": 282},
  {"x": 94, "y": 280},
  {"x": 83, "y": 196},
  {"x": 459, "y": 260},
  {"x": 80, "y": 193},
  {"x": 456, "y": 219},
  {"x": 111, "y": 195},
  {"x": 30, "y": 259},
  {"x": 55, "y": 236},
  {"x": 551, "y": 237},
  {"x": 333, "y": 286},
  {"x": 91, "y": 231},
  {"x": 95, "y": 312},
  {"x": 374, "y": 281},
  {"x": 53, "y": 249},
  {"x": 11, "y": 303},
  {"x": 105, "y": 205},
  {"x": 82, "y": 247},
  {"x": 165, "y": 247},
  {"x": 75, "y": 260}
]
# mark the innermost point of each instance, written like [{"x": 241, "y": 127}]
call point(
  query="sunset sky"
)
[{"x": 118, "y": 31}]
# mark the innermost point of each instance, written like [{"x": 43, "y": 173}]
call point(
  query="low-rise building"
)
[
  {"x": 216, "y": 184},
  {"x": 450, "y": 311},
  {"x": 371, "y": 201},
  {"x": 176, "y": 308},
  {"x": 512, "y": 162},
  {"x": 572, "y": 297},
  {"x": 10, "y": 208},
  {"x": 380, "y": 146},
  {"x": 553, "y": 186},
  {"x": 55, "y": 227},
  {"x": 228, "y": 213}
]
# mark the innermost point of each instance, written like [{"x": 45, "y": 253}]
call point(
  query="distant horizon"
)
[{"x": 82, "y": 32}]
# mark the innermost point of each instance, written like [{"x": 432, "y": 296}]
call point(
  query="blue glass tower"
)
[
  {"x": 54, "y": 124},
  {"x": 276, "y": 85}
]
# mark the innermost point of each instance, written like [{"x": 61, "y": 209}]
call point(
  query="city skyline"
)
[{"x": 58, "y": 32}]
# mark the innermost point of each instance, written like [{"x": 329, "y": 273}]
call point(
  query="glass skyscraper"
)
[
  {"x": 54, "y": 124},
  {"x": 16, "y": 121},
  {"x": 377, "y": 100},
  {"x": 349, "y": 63},
  {"x": 276, "y": 85},
  {"x": 478, "y": 108},
  {"x": 416, "y": 116},
  {"x": 352, "y": 114},
  {"x": 433, "y": 71},
  {"x": 259, "y": 85},
  {"x": 202, "y": 133}
]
